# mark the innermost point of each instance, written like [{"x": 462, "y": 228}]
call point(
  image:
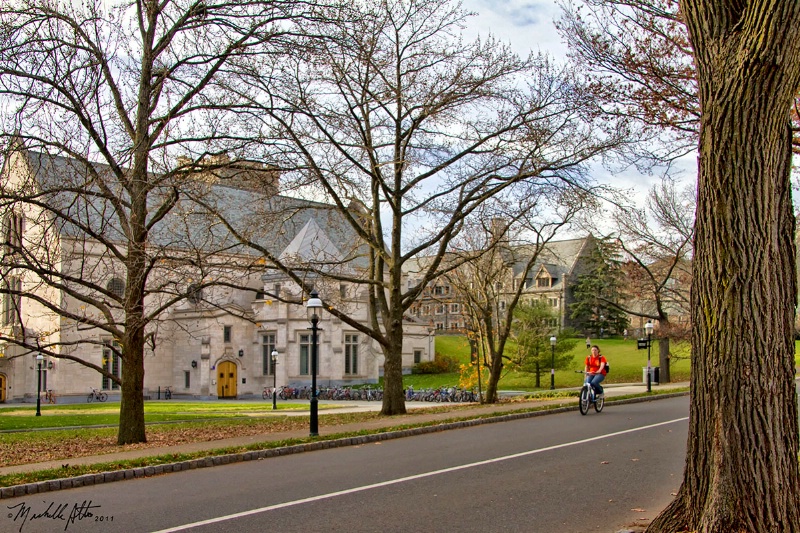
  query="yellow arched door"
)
[
  {"x": 226, "y": 380},
  {"x": 2, "y": 388}
]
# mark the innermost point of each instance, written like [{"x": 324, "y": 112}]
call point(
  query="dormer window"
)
[{"x": 544, "y": 281}]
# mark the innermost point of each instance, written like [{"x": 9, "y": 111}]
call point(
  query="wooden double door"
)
[{"x": 226, "y": 379}]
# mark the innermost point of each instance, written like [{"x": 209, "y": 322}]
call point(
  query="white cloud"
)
[{"x": 526, "y": 25}]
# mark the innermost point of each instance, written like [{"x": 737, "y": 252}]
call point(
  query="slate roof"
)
[{"x": 273, "y": 221}]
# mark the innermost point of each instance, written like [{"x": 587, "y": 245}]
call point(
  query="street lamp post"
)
[
  {"x": 274, "y": 380},
  {"x": 39, "y": 359},
  {"x": 649, "y": 329},
  {"x": 552, "y": 363},
  {"x": 312, "y": 305}
]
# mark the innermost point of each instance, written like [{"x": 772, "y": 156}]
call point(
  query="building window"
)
[
  {"x": 12, "y": 232},
  {"x": 226, "y": 334},
  {"x": 351, "y": 354},
  {"x": 553, "y": 302},
  {"x": 187, "y": 379},
  {"x": 112, "y": 363},
  {"x": 116, "y": 287},
  {"x": 417, "y": 356},
  {"x": 305, "y": 355},
  {"x": 12, "y": 301},
  {"x": 440, "y": 309},
  {"x": 455, "y": 308},
  {"x": 426, "y": 310},
  {"x": 44, "y": 380},
  {"x": 441, "y": 290},
  {"x": 455, "y": 325},
  {"x": 267, "y": 347},
  {"x": 440, "y": 325},
  {"x": 194, "y": 293},
  {"x": 502, "y": 305},
  {"x": 277, "y": 290},
  {"x": 543, "y": 282},
  {"x": 342, "y": 291}
]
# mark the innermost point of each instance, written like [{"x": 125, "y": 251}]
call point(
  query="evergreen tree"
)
[
  {"x": 597, "y": 292},
  {"x": 534, "y": 323}
]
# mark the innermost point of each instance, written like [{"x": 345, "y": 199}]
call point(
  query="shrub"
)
[{"x": 441, "y": 364}]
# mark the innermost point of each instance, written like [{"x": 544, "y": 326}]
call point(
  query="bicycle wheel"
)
[
  {"x": 90, "y": 397},
  {"x": 599, "y": 403},
  {"x": 103, "y": 397},
  {"x": 583, "y": 403}
]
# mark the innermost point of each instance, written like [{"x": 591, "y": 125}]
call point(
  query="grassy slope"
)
[{"x": 626, "y": 365}]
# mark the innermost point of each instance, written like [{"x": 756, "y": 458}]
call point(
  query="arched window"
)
[{"x": 116, "y": 287}]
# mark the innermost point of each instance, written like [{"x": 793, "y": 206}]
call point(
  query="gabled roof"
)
[
  {"x": 311, "y": 245},
  {"x": 560, "y": 257}
]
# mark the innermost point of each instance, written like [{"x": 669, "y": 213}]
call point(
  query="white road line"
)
[{"x": 410, "y": 478}]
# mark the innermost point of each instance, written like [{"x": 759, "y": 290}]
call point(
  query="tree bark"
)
[
  {"x": 393, "y": 398},
  {"x": 663, "y": 360},
  {"x": 741, "y": 469}
]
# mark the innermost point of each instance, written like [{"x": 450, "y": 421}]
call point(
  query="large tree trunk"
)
[
  {"x": 741, "y": 470},
  {"x": 131, "y": 409},
  {"x": 495, "y": 372},
  {"x": 663, "y": 360},
  {"x": 394, "y": 400}
]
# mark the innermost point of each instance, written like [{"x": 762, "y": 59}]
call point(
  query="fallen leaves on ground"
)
[{"x": 37, "y": 447}]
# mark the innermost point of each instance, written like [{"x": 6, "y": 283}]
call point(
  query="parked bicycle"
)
[
  {"x": 589, "y": 397},
  {"x": 100, "y": 396}
]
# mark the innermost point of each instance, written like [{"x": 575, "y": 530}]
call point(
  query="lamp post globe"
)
[
  {"x": 274, "y": 355},
  {"x": 313, "y": 306},
  {"x": 649, "y": 329},
  {"x": 39, "y": 359},
  {"x": 553, "y": 363}
]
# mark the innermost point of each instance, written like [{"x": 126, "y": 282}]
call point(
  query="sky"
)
[{"x": 526, "y": 25}]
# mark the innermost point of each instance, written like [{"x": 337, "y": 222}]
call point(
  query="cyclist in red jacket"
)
[{"x": 595, "y": 369}]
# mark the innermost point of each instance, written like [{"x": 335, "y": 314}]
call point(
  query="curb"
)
[{"x": 256, "y": 455}]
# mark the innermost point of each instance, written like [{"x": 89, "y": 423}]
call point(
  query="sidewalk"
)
[{"x": 458, "y": 412}]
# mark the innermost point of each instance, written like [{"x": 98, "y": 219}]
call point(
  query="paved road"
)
[{"x": 561, "y": 472}]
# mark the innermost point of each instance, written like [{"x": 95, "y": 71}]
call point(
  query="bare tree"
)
[
  {"x": 639, "y": 56},
  {"x": 407, "y": 129},
  {"x": 496, "y": 262},
  {"x": 741, "y": 465},
  {"x": 657, "y": 240},
  {"x": 120, "y": 92}
]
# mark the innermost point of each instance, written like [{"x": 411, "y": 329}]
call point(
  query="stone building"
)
[{"x": 211, "y": 339}]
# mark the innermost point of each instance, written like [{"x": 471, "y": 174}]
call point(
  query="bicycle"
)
[
  {"x": 588, "y": 397},
  {"x": 167, "y": 393},
  {"x": 100, "y": 396},
  {"x": 50, "y": 396}
]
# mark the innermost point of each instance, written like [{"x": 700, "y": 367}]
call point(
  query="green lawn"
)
[
  {"x": 68, "y": 415},
  {"x": 625, "y": 360}
]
